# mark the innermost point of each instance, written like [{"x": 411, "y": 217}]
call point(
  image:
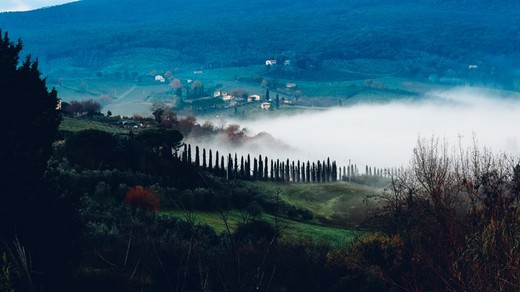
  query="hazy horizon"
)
[{"x": 26, "y": 5}]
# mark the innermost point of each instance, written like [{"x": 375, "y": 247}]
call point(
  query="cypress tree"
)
[
  {"x": 287, "y": 170},
  {"x": 277, "y": 101},
  {"x": 204, "y": 166},
  {"x": 185, "y": 154},
  {"x": 217, "y": 169},
  {"x": 282, "y": 171},
  {"x": 293, "y": 172},
  {"x": 210, "y": 160},
  {"x": 272, "y": 170},
  {"x": 248, "y": 167},
  {"x": 255, "y": 169},
  {"x": 266, "y": 173},
  {"x": 230, "y": 167},
  {"x": 313, "y": 173},
  {"x": 197, "y": 158},
  {"x": 277, "y": 169},
  {"x": 298, "y": 173},
  {"x": 267, "y": 97},
  {"x": 260, "y": 167}
]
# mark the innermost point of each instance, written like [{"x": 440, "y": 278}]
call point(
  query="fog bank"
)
[{"x": 383, "y": 135}]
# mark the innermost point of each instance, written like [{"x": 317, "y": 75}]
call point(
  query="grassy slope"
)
[
  {"x": 291, "y": 230},
  {"x": 337, "y": 207},
  {"x": 76, "y": 125},
  {"x": 341, "y": 204}
]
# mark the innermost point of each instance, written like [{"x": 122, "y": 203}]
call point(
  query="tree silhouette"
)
[{"x": 29, "y": 210}]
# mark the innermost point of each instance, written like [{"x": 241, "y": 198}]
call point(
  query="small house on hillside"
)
[
  {"x": 270, "y": 62},
  {"x": 253, "y": 97},
  {"x": 265, "y": 105},
  {"x": 160, "y": 78}
]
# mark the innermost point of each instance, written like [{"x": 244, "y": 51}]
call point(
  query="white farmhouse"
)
[
  {"x": 265, "y": 105},
  {"x": 160, "y": 78}
]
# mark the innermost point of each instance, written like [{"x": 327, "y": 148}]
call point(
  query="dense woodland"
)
[
  {"x": 428, "y": 40},
  {"x": 84, "y": 211}
]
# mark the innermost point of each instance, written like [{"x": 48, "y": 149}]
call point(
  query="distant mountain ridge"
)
[{"x": 432, "y": 39}]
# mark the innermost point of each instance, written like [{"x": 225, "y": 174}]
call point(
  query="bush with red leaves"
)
[{"x": 142, "y": 198}]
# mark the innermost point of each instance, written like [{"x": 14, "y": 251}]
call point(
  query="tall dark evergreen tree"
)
[
  {"x": 222, "y": 167},
  {"x": 272, "y": 170},
  {"x": 277, "y": 101},
  {"x": 260, "y": 167},
  {"x": 266, "y": 173},
  {"x": 210, "y": 160},
  {"x": 197, "y": 157},
  {"x": 267, "y": 96},
  {"x": 204, "y": 165},
  {"x": 287, "y": 170},
  {"x": 30, "y": 210},
  {"x": 217, "y": 168},
  {"x": 255, "y": 169}
]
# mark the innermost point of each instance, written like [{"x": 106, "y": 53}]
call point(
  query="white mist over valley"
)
[{"x": 384, "y": 135}]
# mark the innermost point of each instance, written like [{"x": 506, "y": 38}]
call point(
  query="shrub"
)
[{"x": 142, "y": 198}]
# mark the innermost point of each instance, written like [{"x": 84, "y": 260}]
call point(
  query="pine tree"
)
[
  {"x": 277, "y": 101},
  {"x": 267, "y": 97}
]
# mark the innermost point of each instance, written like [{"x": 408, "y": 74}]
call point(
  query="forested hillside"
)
[{"x": 428, "y": 40}]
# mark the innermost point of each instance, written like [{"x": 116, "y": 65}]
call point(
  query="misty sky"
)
[
  {"x": 384, "y": 135},
  {"x": 24, "y": 5}
]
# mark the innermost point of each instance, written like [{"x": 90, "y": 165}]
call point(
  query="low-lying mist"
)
[{"x": 384, "y": 135}]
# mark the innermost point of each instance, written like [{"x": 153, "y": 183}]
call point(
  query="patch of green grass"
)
[
  {"x": 343, "y": 204},
  {"x": 291, "y": 230},
  {"x": 76, "y": 125}
]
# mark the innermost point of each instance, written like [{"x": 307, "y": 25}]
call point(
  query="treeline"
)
[{"x": 259, "y": 168}]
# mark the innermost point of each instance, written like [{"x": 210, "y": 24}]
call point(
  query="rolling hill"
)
[{"x": 427, "y": 40}]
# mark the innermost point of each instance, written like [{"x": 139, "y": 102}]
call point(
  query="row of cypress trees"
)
[{"x": 261, "y": 167}]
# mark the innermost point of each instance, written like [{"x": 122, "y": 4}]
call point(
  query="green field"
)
[
  {"x": 291, "y": 230},
  {"x": 338, "y": 204},
  {"x": 76, "y": 125}
]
